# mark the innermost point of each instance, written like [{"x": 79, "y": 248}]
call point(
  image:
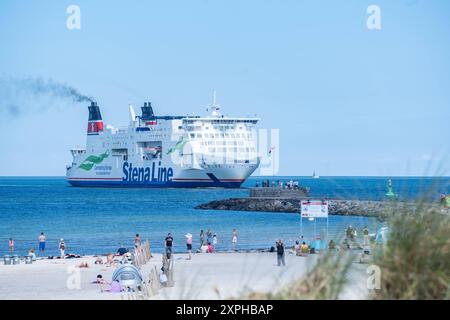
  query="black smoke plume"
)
[{"x": 31, "y": 90}]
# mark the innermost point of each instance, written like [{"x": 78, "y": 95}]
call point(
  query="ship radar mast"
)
[{"x": 214, "y": 107}]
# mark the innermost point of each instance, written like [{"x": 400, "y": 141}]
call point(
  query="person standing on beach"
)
[
  {"x": 214, "y": 242},
  {"x": 366, "y": 236},
  {"x": 169, "y": 245},
  {"x": 62, "y": 248},
  {"x": 189, "y": 245},
  {"x": 202, "y": 237},
  {"x": 11, "y": 245},
  {"x": 280, "y": 253},
  {"x": 42, "y": 243},
  {"x": 209, "y": 235},
  {"x": 234, "y": 239},
  {"x": 137, "y": 241}
]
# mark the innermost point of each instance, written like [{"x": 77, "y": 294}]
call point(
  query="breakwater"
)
[{"x": 378, "y": 209}]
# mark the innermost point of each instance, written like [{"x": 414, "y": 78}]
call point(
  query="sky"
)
[{"x": 348, "y": 101}]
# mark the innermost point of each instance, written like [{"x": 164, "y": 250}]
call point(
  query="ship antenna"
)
[{"x": 214, "y": 106}]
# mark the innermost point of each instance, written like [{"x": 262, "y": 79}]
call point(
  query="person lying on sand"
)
[
  {"x": 110, "y": 260},
  {"x": 99, "y": 260},
  {"x": 100, "y": 280},
  {"x": 83, "y": 264}
]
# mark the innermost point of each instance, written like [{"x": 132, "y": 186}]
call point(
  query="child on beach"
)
[
  {"x": 32, "y": 254},
  {"x": 11, "y": 245},
  {"x": 234, "y": 239},
  {"x": 210, "y": 247},
  {"x": 62, "y": 248}
]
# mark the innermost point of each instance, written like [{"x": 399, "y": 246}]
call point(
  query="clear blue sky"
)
[{"x": 347, "y": 100}]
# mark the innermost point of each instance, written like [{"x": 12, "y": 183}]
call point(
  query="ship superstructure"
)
[{"x": 166, "y": 151}]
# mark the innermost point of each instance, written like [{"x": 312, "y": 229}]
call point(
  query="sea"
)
[{"x": 100, "y": 220}]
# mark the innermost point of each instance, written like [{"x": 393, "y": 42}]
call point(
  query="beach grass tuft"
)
[{"x": 415, "y": 261}]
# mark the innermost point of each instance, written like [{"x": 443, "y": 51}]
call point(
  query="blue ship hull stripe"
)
[{"x": 168, "y": 184}]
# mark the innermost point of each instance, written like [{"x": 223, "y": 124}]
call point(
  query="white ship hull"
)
[{"x": 166, "y": 151}]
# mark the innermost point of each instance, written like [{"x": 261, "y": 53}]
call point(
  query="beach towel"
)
[{"x": 115, "y": 287}]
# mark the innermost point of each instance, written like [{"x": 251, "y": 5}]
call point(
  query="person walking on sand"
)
[
  {"x": 189, "y": 245},
  {"x": 42, "y": 243},
  {"x": 280, "y": 253},
  {"x": 11, "y": 246},
  {"x": 202, "y": 237},
  {"x": 62, "y": 248},
  {"x": 169, "y": 245},
  {"x": 234, "y": 239}
]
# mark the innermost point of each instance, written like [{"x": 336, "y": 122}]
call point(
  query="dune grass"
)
[{"x": 415, "y": 262}]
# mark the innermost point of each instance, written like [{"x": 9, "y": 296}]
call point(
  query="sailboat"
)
[{"x": 315, "y": 176}]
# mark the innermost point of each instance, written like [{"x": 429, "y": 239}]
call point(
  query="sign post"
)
[{"x": 313, "y": 209}]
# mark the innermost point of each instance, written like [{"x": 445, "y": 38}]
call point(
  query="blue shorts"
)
[{"x": 42, "y": 246}]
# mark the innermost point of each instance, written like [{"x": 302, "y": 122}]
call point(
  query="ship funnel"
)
[
  {"x": 147, "y": 111},
  {"x": 94, "y": 112},
  {"x": 95, "y": 123}
]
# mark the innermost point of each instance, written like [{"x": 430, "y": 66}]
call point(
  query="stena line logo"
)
[{"x": 146, "y": 174}]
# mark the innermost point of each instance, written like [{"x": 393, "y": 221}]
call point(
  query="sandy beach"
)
[{"x": 206, "y": 276}]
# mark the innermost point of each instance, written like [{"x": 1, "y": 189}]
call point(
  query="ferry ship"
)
[{"x": 166, "y": 151}]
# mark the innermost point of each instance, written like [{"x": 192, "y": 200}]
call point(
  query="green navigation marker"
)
[{"x": 390, "y": 194}]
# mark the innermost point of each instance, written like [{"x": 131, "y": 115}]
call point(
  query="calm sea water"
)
[{"x": 97, "y": 221}]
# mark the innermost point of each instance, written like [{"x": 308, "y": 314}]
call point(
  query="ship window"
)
[
  {"x": 192, "y": 135},
  {"x": 199, "y": 135},
  {"x": 216, "y": 135},
  {"x": 227, "y": 135},
  {"x": 232, "y": 135}
]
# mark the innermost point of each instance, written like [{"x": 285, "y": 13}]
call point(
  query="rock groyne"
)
[{"x": 378, "y": 209}]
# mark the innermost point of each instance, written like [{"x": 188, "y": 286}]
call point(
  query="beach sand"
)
[{"x": 206, "y": 276}]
